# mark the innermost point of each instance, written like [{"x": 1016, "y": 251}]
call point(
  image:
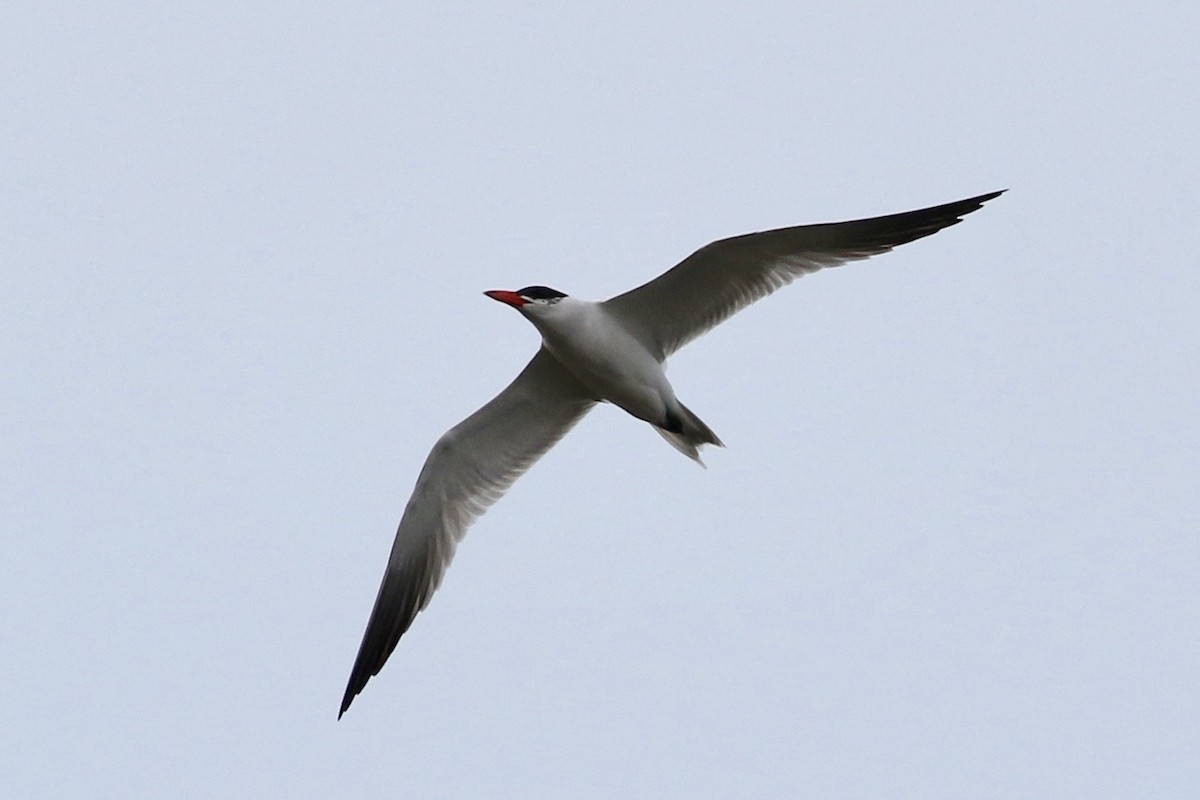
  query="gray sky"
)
[{"x": 952, "y": 547}]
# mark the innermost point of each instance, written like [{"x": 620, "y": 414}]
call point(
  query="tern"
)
[{"x": 613, "y": 351}]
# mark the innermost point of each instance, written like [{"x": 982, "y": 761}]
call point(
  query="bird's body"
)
[
  {"x": 605, "y": 358},
  {"x": 613, "y": 351},
  {"x": 608, "y": 360}
]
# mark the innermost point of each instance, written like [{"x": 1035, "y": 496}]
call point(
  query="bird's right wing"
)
[
  {"x": 721, "y": 278},
  {"x": 470, "y": 467}
]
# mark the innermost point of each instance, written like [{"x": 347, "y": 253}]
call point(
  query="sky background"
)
[{"x": 953, "y": 546}]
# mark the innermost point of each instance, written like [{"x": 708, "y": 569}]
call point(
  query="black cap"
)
[{"x": 541, "y": 293}]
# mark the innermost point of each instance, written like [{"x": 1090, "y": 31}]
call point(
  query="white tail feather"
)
[
  {"x": 682, "y": 444},
  {"x": 694, "y": 435}
]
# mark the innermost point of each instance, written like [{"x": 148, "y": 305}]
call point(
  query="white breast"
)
[{"x": 605, "y": 357}]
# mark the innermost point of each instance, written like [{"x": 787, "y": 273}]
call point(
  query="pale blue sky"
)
[{"x": 951, "y": 550}]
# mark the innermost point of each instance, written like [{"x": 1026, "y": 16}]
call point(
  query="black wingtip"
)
[
  {"x": 348, "y": 698},
  {"x": 983, "y": 198},
  {"x": 964, "y": 207},
  {"x": 972, "y": 204}
]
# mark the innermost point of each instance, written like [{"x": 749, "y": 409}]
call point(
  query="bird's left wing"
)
[
  {"x": 725, "y": 276},
  {"x": 470, "y": 467}
]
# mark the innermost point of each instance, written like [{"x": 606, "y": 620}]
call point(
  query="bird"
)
[{"x": 611, "y": 351}]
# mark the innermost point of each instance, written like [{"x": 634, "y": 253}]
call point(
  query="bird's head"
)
[{"x": 532, "y": 300}]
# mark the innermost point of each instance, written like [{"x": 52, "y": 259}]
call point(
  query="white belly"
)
[{"x": 613, "y": 365}]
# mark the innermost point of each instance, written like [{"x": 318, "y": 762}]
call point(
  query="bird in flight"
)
[{"x": 613, "y": 351}]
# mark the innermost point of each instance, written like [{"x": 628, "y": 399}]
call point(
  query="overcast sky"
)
[{"x": 952, "y": 549}]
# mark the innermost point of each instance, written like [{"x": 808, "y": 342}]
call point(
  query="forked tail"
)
[{"x": 687, "y": 433}]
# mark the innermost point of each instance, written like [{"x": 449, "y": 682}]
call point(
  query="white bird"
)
[{"x": 612, "y": 351}]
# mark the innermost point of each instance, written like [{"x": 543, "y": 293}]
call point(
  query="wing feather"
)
[
  {"x": 469, "y": 468},
  {"x": 723, "y": 277}
]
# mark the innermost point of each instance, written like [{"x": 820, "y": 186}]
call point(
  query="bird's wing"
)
[
  {"x": 469, "y": 468},
  {"x": 723, "y": 277}
]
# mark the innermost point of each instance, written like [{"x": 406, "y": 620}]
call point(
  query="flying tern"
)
[{"x": 612, "y": 351}]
